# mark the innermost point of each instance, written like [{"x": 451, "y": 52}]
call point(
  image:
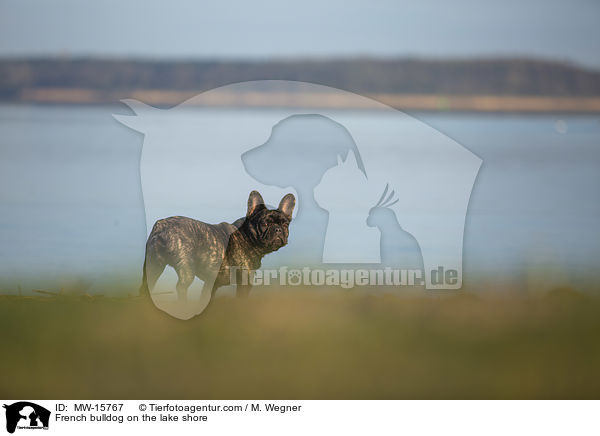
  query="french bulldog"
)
[{"x": 209, "y": 251}]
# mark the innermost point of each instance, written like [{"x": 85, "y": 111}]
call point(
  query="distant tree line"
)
[{"x": 370, "y": 76}]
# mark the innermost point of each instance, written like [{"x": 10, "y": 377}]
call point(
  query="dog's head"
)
[{"x": 268, "y": 228}]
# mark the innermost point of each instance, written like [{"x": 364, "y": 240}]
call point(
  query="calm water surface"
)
[{"x": 72, "y": 206}]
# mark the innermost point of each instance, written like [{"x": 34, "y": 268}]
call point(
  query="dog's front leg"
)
[
  {"x": 243, "y": 286},
  {"x": 242, "y": 290}
]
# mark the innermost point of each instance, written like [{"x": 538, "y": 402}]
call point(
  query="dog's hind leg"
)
[
  {"x": 154, "y": 264},
  {"x": 185, "y": 275},
  {"x": 154, "y": 268}
]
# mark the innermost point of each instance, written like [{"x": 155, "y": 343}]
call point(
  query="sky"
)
[{"x": 554, "y": 29}]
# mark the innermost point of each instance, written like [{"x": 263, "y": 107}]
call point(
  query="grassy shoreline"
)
[{"x": 303, "y": 345}]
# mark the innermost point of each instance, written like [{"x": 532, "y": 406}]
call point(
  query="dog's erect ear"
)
[
  {"x": 287, "y": 205},
  {"x": 255, "y": 201}
]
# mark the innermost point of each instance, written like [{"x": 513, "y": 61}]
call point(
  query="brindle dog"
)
[{"x": 208, "y": 251}]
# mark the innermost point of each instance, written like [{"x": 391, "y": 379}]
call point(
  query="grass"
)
[{"x": 303, "y": 345}]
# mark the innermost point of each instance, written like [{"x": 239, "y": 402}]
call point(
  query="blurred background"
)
[{"x": 515, "y": 82}]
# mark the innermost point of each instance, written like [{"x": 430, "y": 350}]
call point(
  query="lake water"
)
[{"x": 72, "y": 204}]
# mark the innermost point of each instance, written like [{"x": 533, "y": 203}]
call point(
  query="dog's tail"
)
[{"x": 144, "y": 290}]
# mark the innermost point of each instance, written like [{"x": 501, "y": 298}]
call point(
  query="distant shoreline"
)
[
  {"x": 442, "y": 85},
  {"x": 418, "y": 102}
]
